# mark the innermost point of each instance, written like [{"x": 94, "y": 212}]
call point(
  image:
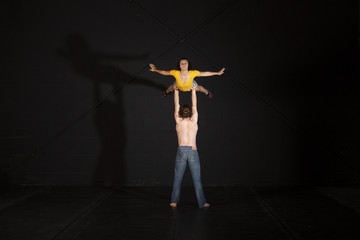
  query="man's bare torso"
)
[{"x": 186, "y": 130}]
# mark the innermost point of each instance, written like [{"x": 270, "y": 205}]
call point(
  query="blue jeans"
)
[{"x": 185, "y": 154}]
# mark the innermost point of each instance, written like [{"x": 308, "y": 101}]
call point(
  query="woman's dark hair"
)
[
  {"x": 185, "y": 111},
  {"x": 178, "y": 64}
]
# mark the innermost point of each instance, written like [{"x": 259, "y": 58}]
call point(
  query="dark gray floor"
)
[{"x": 143, "y": 213}]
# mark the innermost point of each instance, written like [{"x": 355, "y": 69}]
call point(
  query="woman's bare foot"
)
[
  {"x": 206, "y": 205},
  {"x": 173, "y": 205}
]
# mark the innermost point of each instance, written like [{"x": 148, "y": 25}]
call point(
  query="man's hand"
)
[
  {"x": 194, "y": 103},
  {"x": 152, "y": 67},
  {"x": 221, "y": 71}
]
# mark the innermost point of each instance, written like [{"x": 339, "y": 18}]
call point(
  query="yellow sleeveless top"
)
[{"x": 187, "y": 85}]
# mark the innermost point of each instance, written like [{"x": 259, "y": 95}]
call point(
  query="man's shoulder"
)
[
  {"x": 180, "y": 121},
  {"x": 193, "y": 120}
]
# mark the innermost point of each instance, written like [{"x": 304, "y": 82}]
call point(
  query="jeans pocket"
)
[
  {"x": 180, "y": 156},
  {"x": 194, "y": 156}
]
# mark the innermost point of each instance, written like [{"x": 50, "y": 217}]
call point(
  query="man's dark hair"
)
[
  {"x": 189, "y": 64},
  {"x": 185, "y": 111}
]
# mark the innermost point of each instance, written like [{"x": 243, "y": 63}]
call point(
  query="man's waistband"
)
[{"x": 187, "y": 147}]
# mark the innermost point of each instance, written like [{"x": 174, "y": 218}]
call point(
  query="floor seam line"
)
[
  {"x": 105, "y": 195},
  {"x": 23, "y": 198},
  {"x": 271, "y": 212}
]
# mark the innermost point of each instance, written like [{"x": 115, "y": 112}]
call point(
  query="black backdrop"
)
[{"x": 79, "y": 106}]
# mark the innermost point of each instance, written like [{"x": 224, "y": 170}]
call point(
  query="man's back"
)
[
  {"x": 187, "y": 121},
  {"x": 186, "y": 129}
]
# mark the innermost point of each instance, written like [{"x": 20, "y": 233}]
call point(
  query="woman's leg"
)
[
  {"x": 170, "y": 88},
  {"x": 201, "y": 89},
  {"x": 204, "y": 90}
]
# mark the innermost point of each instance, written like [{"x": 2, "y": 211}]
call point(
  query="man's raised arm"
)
[
  {"x": 194, "y": 103},
  {"x": 176, "y": 102}
]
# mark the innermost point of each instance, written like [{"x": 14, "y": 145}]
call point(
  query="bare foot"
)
[
  {"x": 206, "y": 205},
  {"x": 173, "y": 205}
]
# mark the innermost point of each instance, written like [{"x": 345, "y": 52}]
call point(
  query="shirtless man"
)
[{"x": 186, "y": 127}]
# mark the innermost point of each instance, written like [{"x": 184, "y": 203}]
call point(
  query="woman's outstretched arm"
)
[
  {"x": 207, "y": 74},
  {"x": 153, "y": 69}
]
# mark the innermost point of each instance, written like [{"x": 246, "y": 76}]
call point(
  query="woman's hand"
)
[
  {"x": 221, "y": 71},
  {"x": 152, "y": 67}
]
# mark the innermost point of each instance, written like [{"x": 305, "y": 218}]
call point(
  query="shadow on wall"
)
[{"x": 109, "y": 114}]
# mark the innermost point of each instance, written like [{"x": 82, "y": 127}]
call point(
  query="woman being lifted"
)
[{"x": 184, "y": 76}]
